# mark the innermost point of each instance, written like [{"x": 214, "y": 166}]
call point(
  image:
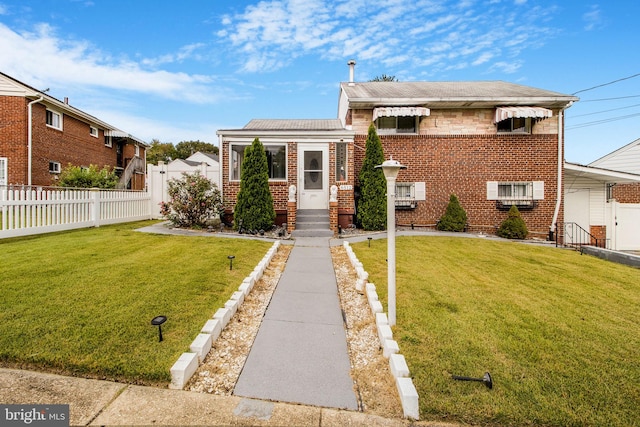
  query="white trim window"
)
[
  {"x": 54, "y": 167},
  {"x": 519, "y": 193},
  {"x": 108, "y": 141},
  {"x": 520, "y": 125},
  {"x": 276, "y": 161},
  {"x": 137, "y": 152},
  {"x": 408, "y": 193},
  {"x": 54, "y": 119},
  {"x": 3, "y": 170},
  {"x": 93, "y": 131}
]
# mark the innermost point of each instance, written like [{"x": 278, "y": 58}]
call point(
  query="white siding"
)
[
  {"x": 626, "y": 159},
  {"x": 597, "y": 200}
]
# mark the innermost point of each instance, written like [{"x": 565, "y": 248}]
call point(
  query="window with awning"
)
[
  {"x": 400, "y": 112},
  {"x": 504, "y": 113}
]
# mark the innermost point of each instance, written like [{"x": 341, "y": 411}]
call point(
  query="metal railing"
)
[{"x": 573, "y": 235}]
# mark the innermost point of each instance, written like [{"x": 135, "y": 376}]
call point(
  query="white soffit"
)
[
  {"x": 400, "y": 111},
  {"x": 504, "y": 113}
]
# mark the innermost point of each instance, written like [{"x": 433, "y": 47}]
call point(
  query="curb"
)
[
  {"x": 187, "y": 364},
  {"x": 397, "y": 363}
]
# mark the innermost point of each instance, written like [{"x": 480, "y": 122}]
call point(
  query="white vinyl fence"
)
[{"x": 25, "y": 211}]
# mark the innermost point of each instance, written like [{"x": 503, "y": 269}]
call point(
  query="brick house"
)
[
  {"x": 40, "y": 135},
  {"x": 491, "y": 143}
]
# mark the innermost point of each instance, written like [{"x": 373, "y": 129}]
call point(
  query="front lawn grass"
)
[
  {"x": 81, "y": 302},
  {"x": 559, "y": 332}
]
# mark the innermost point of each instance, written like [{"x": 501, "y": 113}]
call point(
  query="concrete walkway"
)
[{"x": 300, "y": 352}]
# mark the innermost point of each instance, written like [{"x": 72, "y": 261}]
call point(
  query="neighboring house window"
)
[
  {"x": 399, "y": 124},
  {"x": 276, "y": 161},
  {"x": 107, "y": 141},
  {"x": 515, "y": 125},
  {"x": 521, "y": 194},
  {"x": 54, "y": 119},
  {"x": 93, "y": 131},
  {"x": 408, "y": 193},
  {"x": 3, "y": 171},
  {"x": 137, "y": 151},
  {"x": 54, "y": 167},
  {"x": 341, "y": 161}
]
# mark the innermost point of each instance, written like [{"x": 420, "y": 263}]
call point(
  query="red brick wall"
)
[
  {"x": 73, "y": 144},
  {"x": 627, "y": 193},
  {"x": 462, "y": 164},
  {"x": 13, "y": 137}
]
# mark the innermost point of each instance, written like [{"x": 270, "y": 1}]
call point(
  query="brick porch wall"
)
[
  {"x": 462, "y": 165},
  {"x": 627, "y": 193}
]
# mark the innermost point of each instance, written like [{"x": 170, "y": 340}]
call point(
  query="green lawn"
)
[
  {"x": 81, "y": 302},
  {"x": 558, "y": 331}
]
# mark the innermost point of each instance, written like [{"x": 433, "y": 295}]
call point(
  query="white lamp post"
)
[{"x": 390, "y": 168}]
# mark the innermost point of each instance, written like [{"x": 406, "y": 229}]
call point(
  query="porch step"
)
[{"x": 312, "y": 223}]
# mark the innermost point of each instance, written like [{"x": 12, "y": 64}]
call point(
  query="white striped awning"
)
[
  {"x": 504, "y": 113},
  {"x": 400, "y": 111}
]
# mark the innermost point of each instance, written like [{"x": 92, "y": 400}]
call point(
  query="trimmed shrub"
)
[
  {"x": 91, "y": 177},
  {"x": 454, "y": 218},
  {"x": 514, "y": 226},
  {"x": 254, "y": 208},
  {"x": 372, "y": 204},
  {"x": 193, "y": 200}
]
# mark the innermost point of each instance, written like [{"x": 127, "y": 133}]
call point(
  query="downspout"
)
[
  {"x": 30, "y": 137},
  {"x": 560, "y": 170}
]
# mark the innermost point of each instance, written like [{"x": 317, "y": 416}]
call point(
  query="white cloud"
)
[
  {"x": 272, "y": 33},
  {"x": 592, "y": 19},
  {"x": 41, "y": 56}
]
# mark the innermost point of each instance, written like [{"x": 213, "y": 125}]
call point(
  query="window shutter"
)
[
  {"x": 538, "y": 190},
  {"x": 420, "y": 191},
  {"x": 492, "y": 190}
]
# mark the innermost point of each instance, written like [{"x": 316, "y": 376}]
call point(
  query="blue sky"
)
[{"x": 180, "y": 70}]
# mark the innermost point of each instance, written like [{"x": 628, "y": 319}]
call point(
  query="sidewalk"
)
[{"x": 300, "y": 353}]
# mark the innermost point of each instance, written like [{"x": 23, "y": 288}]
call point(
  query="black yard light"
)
[
  {"x": 231, "y": 257},
  {"x": 158, "y": 321},
  {"x": 369, "y": 239},
  {"x": 486, "y": 379}
]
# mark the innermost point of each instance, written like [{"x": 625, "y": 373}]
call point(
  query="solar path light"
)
[
  {"x": 158, "y": 321},
  {"x": 486, "y": 379},
  {"x": 231, "y": 257}
]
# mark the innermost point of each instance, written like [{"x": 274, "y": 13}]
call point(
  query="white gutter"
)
[
  {"x": 560, "y": 170},
  {"x": 30, "y": 137}
]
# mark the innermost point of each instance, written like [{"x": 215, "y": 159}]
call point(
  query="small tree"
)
[
  {"x": 161, "y": 151},
  {"x": 514, "y": 226},
  {"x": 454, "y": 218},
  {"x": 193, "y": 200},
  {"x": 372, "y": 205},
  {"x": 254, "y": 208},
  {"x": 91, "y": 177}
]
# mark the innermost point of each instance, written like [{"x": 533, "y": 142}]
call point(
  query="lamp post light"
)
[{"x": 390, "y": 168}]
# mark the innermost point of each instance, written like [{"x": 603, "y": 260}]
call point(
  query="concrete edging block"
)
[
  {"x": 376, "y": 307},
  {"x": 212, "y": 327},
  {"x": 381, "y": 319},
  {"x": 201, "y": 346},
  {"x": 239, "y": 296},
  {"x": 398, "y": 366},
  {"x": 408, "y": 398},
  {"x": 245, "y": 288},
  {"x": 372, "y": 296},
  {"x": 390, "y": 347},
  {"x": 232, "y": 306},
  {"x": 182, "y": 370},
  {"x": 384, "y": 333},
  {"x": 370, "y": 287},
  {"x": 224, "y": 315}
]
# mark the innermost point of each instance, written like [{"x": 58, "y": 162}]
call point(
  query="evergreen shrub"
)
[
  {"x": 514, "y": 226},
  {"x": 454, "y": 218}
]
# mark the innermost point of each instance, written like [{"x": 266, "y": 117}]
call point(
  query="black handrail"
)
[{"x": 573, "y": 235}]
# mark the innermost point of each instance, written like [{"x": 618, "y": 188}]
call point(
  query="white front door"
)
[
  {"x": 576, "y": 209},
  {"x": 313, "y": 176},
  {"x": 3, "y": 171}
]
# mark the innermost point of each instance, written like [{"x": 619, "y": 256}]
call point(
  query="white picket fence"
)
[{"x": 25, "y": 211}]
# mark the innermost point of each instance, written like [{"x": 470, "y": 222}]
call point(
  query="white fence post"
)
[{"x": 95, "y": 207}]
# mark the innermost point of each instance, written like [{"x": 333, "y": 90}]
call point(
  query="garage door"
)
[{"x": 628, "y": 227}]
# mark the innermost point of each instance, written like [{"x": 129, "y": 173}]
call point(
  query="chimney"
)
[
  {"x": 351, "y": 65},
  {"x": 66, "y": 100}
]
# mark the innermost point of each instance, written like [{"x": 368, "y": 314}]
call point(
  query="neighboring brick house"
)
[
  {"x": 624, "y": 159},
  {"x": 493, "y": 144},
  {"x": 40, "y": 135}
]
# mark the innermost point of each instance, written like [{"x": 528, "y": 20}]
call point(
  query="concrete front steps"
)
[{"x": 312, "y": 223}]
